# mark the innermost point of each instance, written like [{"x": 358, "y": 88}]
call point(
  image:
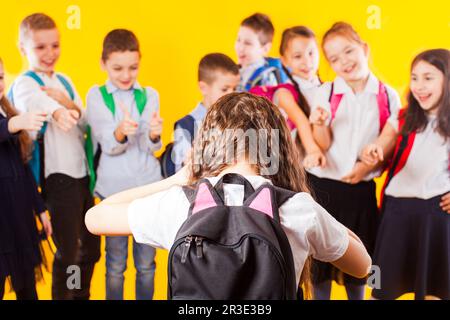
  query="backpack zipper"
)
[
  {"x": 186, "y": 247},
  {"x": 187, "y": 244},
  {"x": 198, "y": 244}
]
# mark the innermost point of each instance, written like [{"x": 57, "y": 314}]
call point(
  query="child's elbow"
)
[
  {"x": 366, "y": 265},
  {"x": 91, "y": 221}
]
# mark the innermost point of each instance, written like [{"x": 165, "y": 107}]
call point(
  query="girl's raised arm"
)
[{"x": 110, "y": 217}]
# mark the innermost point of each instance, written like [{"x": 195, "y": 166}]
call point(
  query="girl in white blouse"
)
[
  {"x": 412, "y": 247},
  {"x": 347, "y": 114}
]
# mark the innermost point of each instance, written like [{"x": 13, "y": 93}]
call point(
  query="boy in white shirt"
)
[{"x": 64, "y": 175}]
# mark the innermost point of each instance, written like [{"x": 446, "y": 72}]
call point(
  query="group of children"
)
[{"x": 344, "y": 133}]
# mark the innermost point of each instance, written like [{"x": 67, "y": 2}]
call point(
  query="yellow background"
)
[{"x": 174, "y": 35}]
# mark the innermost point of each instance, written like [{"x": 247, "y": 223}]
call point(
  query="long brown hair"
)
[
  {"x": 415, "y": 116},
  {"x": 233, "y": 114},
  {"x": 288, "y": 35},
  {"x": 24, "y": 139}
]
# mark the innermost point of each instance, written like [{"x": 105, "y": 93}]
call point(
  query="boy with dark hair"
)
[
  {"x": 59, "y": 162},
  {"x": 218, "y": 75},
  {"x": 124, "y": 120},
  {"x": 252, "y": 47}
]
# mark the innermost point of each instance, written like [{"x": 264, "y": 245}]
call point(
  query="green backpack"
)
[{"x": 93, "y": 157}]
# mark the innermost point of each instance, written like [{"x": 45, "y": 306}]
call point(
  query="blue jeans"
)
[{"x": 116, "y": 264}]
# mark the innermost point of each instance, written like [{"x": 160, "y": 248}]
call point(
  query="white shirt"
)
[
  {"x": 308, "y": 88},
  {"x": 64, "y": 151},
  {"x": 425, "y": 174},
  {"x": 310, "y": 229},
  {"x": 356, "y": 124}
]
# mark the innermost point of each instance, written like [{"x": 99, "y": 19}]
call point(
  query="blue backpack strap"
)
[
  {"x": 272, "y": 64},
  {"x": 30, "y": 74},
  {"x": 34, "y": 75},
  {"x": 187, "y": 123},
  {"x": 253, "y": 77},
  {"x": 281, "y": 75},
  {"x": 66, "y": 85}
]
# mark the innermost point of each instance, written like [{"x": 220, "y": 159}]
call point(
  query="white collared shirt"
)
[
  {"x": 310, "y": 229},
  {"x": 425, "y": 174},
  {"x": 308, "y": 88},
  {"x": 64, "y": 151},
  {"x": 356, "y": 124}
]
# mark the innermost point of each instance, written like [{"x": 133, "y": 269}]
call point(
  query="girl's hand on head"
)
[
  {"x": 155, "y": 127},
  {"x": 315, "y": 159},
  {"x": 46, "y": 224},
  {"x": 30, "y": 121},
  {"x": 372, "y": 154},
  {"x": 445, "y": 203},
  {"x": 319, "y": 116}
]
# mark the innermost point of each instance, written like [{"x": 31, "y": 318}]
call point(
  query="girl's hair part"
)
[
  {"x": 343, "y": 29},
  {"x": 292, "y": 33}
]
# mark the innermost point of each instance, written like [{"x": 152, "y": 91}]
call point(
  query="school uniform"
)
[
  {"x": 66, "y": 185},
  {"x": 125, "y": 165},
  {"x": 308, "y": 90},
  {"x": 20, "y": 252},
  {"x": 183, "y": 139},
  {"x": 413, "y": 246},
  {"x": 156, "y": 219},
  {"x": 355, "y": 125}
]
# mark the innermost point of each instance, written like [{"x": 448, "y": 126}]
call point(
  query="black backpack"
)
[
  {"x": 167, "y": 165},
  {"x": 232, "y": 252}
]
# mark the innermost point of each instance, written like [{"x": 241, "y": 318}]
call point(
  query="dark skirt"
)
[
  {"x": 355, "y": 206},
  {"x": 413, "y": 249},
  {"x": 20, "y": 251}
]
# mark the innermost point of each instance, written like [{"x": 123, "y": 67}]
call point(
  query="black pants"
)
[
  {"x": 28, "y": 292},
  {"x": 78, "y": 250}
]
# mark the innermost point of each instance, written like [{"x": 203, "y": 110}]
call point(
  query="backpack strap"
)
[
  {"x": 187, "y": 123},
  {"x": 402, "y": 151},
  {"x": 66, "y": 85},
  {"x": 335, "y": 100},
  {"x": 234, "y": 178},
  {"x": 280, "y": 73},
  {"x": 36, "y": 162},
  {"x": 384, "y": 108},
  {"x": 108, "y": 99},
  {"x": 271, "y": 65},
  {"x": 140, "y": 97},
  {"x": 90, "y": 157}
]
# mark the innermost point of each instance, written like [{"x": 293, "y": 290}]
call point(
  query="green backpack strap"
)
[
  {"x": 140, "y": 96},
  {"x": 108, "y": 99},
  {"x": 89, "y": 150}
]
